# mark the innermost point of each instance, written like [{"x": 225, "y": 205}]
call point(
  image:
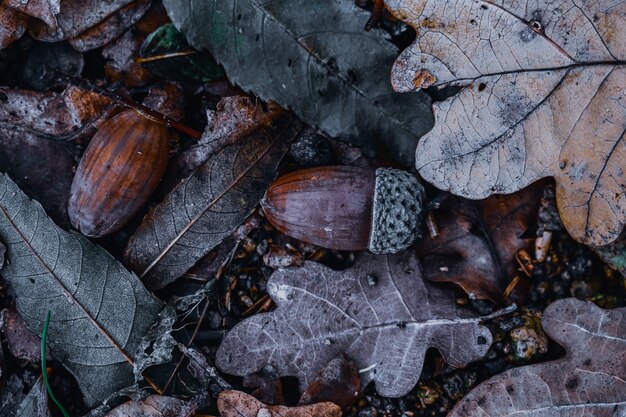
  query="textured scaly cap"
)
[{"x": 397, "y": 211}]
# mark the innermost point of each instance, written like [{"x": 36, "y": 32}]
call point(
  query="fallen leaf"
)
[
  {"x": 12, "y": 25},
  {"x": 158, "y": 55},
  {"x": 11, "y": 396},
  {"x": 155, "y": 406},
  {"x": 328, "y": 70},
  {"x": 207, "y": 207},
  {"x": 92, "y": 298},
  {"x": 589, "y": 381},
  {"x": 35, "y": 404},
  {"x": 44, "y": 10},
  {"x": 36, "y": 133},
  {"x": 22, "y": 343},
  {"x": 233, "y": 118},
  {"x": 90, "y": 24},
  {"x": 543, "y": 97},
  {"x": 380, "y": 313},
  {"x": 338, "y": 382},
  {"x": 478, "y": 241},
  {"x": 240, "y": 404}
]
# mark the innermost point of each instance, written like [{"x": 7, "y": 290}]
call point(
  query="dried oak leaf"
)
[
  {"x": 544, "y": 97},
  {"x": 89, "y": 24},
  {"x": 12, "y": 25},
  {"x": 44, "y": 10},
  {"x": 99, "y": 310},
  {"x": 313, "y": 58},
  {"x": 589, "y": 381},
  {"x": 208, "y": 206},
  {"x": 36, "y": 133},
  {"x": 478, "y": 241},
  {"x": 155, "y": 406},
  {"x": 338, "y": 382},
  {"x": 240, "y": 404},
  {"x": 381, "y": 313}
]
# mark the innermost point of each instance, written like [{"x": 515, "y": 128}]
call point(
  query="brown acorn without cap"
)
[
  {"x": 347, "y": 208},
  {"x": 118, "y": 172}
]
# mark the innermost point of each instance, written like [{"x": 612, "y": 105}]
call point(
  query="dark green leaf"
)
[
  {"x": 314, "y": 58},
  {"x": 166, "y": 41}
]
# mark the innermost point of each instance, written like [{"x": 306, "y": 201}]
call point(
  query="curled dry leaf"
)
[
  {"x": 36, "y": 133},
  {"x": 44, "y": 10},
  {"x": 544, "y": 96},
  {"x": 12, "y": 25},
  {"x": 478, "y": 241},
  {"x": 240, "y": 404},
  {"x": 155, "y": 406},
  {"x": 92, "y": 297},
  {"x": 313, "y": 58},
  {"x": 91, "y": 23},
  {"x": 380, "y": 313},
  {"x": 35, "y": 404},
  {"x": 208, "y": 206},
  {"x": 589, "y": 381}
]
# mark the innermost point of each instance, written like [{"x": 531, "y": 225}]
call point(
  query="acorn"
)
[
  {"x": 347, "y": 208},
  {"x": 118, "y": 172}
]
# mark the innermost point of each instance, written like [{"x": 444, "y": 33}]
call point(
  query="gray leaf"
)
[
  {"x": 384, "y": 328},
  {"x": 36, "y": 402},
  {"x": 589, "y": 381},
  {"x": 99, "y": 309},
  {"x": 206, "y": 207},
  {"x": 314, "y": 58}
]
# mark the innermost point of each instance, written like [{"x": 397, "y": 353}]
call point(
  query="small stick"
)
[{"x": 141, "y": 60}]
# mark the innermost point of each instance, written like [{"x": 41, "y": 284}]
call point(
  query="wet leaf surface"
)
[
  {"x": 380, "y": 313},
  {"x": 589, "y": 380},
  {"x": 240, "y": 404},
  {"x": 92, "y": 297},
  {"x": 207, "y": 207},
  {"x": 543, "y": 96},
  {"x": 478, "y": 241},
  {"x": 328, "y": 70}
]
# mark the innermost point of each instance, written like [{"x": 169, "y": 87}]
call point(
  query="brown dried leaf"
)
[
  {"x": 338, "y": 382},
  {"x": 239, "y": 404},
  {"x": 155, "y": 406},
  {"x": 12, "y": 25},
  {"x": 478, "y": 241},
  {"x": 589, "y": 381},
  {"x": 44, "y": 10},
  {"x": 380, "y": 313},
  {"x": 544, "y": 96},
  {"x": 36, "y": 131},
  {"x": 90, "y": 24},
  {"x": 22, "y": 343}
]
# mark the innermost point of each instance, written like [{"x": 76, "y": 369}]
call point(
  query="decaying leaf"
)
[
  {"x": 99, "y": 310},
  {"x": 544, "y": 96},
  {"x": 12, "y": 25},
  {"x": 44, "y": 10},
  {"x": 338, "y": 382},
  {"x": 313, "y": 58},
  {"x": 234, "y": 118},
  {"x": 589, "y": 381},
  {"x": 614, "y": 254},
  {"x": 380, "y": 313},
  {"x": 208, "y": 206},
  {"x": 90, "y": 24},
  {"x": 240, "y": 404},
  {"x": 478, "y": 241},
  {"x": 35, "y": 404},
  {"x": 155, "y": 406},
  {"x": 35, "y": 132},
  {"x": 22, "y": 343}
]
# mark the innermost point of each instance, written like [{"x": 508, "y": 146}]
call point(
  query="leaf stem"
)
[{"x": 44, "y": 372}]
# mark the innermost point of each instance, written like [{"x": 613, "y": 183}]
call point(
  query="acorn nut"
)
[
  {"x": 118, "y": 172},
  {"x": 347, "y": 208}
]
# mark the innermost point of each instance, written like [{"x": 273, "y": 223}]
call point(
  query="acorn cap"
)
[{"x": 397, "y": 211}]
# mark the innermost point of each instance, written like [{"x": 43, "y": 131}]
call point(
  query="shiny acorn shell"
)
[
  {"x": 347, "y": 208},
  {"x": 118, "y": 172}
]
